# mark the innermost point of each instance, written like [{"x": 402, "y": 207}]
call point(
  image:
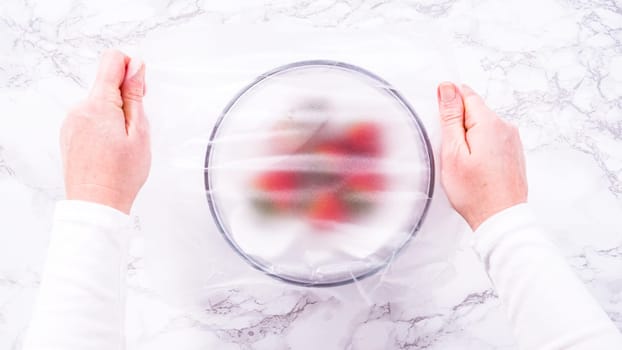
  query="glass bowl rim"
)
[{"x": 388, "y": 88}]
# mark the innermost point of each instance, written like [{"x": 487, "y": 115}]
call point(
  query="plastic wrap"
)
[
  {"x": 318, "y": 173},
  {"x": 273, "y": 175}
]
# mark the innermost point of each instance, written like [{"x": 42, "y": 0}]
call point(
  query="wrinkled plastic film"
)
[
  {"x": 288, "y": 177},
  {"x": 317, "y": 172}
]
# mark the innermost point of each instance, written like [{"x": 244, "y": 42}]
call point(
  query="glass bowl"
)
[{"x": 318, "y": 173}]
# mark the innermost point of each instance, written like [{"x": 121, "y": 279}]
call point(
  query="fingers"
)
[
  {"x": 132, "y": 93},
  {"x": 110, "y": 75},
  {"x": 451, "y": 111},
  {"x": 475, "y": 109},
  {"x": 121, "y": 80}
]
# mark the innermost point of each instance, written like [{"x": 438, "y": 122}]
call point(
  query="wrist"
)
[
  {"x": 100, "y": 195},
  {"x": 91, "y": 213},
  {"x": 476, "y": 218},
  {"x": 502, "y": 226}
]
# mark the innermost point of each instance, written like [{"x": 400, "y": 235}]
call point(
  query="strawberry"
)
[
  {"x": 326, "y": 168},
  {"x": 330, "y": 148},
  {"x": 277, "y": 180},
  {"x": 358, "y": 187},
  {"x": 365, "y": 182},
  {"x": 327, "y": 207},
  {"x": 278, "y": 184},
  {"x": 364, "y": 138}
]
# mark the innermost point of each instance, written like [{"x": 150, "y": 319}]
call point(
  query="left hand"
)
[{"x": 105, "y": 140}]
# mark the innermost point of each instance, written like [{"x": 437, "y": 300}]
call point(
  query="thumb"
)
[
  {"x": 132, "y": 92},
  {"x": 475, "y": 108},
  {"x": 110, "y": 76},
  {"x": 451, "y": 111}
]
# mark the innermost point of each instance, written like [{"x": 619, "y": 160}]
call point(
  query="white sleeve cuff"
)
[
  {"x": 91, "y": 213},
  {"x": 491, "y": 231}
]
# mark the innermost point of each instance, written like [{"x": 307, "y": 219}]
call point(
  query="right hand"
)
[
  {"x": 482, "y": 160},
  {"x": 105, "y": 140}
]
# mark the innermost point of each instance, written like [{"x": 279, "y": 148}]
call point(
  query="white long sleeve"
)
[
  {"x": 81, "y": 303},
  {"x": 82, "y": 296},
  {"x": 548, "y": 306}
]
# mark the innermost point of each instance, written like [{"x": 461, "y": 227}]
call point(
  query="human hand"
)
[
  {"x": 482, "y": 160},
  {"x": 105, "y": 139}
]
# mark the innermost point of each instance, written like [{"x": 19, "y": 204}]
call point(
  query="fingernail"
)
[{"x": 447, "y": 92}]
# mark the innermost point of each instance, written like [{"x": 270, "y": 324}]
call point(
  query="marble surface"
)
[{"x": 553, "y": 67}]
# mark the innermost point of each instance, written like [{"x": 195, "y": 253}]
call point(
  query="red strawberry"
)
[
  {"x": 327, "y": 166},
  {"x": 365, "y": 182},
  {"x": 327, "y": 207},
  {"x": 278, "y": 184},
  {"x": 276, "y": 180},
  {"x": 364, "y": 138},
  {"x": 330, "y": 148}
]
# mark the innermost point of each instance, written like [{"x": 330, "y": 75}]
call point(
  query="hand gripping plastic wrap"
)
[{"x": 297, "y": 159}]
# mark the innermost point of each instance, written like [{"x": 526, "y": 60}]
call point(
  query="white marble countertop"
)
[{"x": 553, "y": 67}]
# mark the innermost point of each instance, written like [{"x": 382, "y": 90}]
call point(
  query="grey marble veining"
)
[{"x": 552, "y": 67}]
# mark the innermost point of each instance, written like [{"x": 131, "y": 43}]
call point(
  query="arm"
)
[
  {"x": 483, "y": 173},
  {"x": 548, "y": 306},
  {"x": 106, "y": 160},
  {"x": 82, "y": 296}
]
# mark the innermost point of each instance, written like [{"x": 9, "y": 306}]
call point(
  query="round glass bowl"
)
[{"x": 318, "y": 173}]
